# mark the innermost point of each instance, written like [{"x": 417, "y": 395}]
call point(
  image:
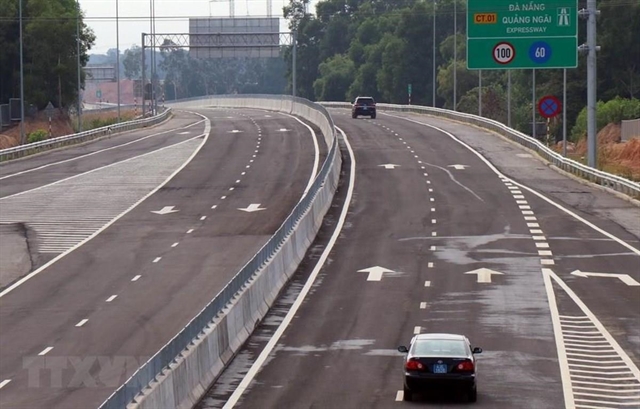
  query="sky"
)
[{"x": 172, "y": 16}]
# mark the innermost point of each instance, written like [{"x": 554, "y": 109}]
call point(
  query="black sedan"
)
[{"x": 440, "y": 361}]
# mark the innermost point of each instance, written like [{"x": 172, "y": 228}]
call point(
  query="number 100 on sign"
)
[{"x": 503, "y": 53}]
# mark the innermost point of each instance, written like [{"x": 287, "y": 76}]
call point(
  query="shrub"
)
[
  {"x": 37, "y": 136},
  {"x": 613, "y": 111}
]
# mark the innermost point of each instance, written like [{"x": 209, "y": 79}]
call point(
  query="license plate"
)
[
  {"x": 365, "y": 108},
  {"x": 440, "y": 368}
]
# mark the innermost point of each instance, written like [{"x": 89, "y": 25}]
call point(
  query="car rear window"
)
[
  {"x": 440, "y": 347},
  {"x": 365, "y": 100}
]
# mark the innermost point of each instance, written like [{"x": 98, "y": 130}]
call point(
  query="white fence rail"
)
[
  {"x": 630, "y": 129},
  {"x": 53, "y": 143},
  {"x": 608, "y": 180}
]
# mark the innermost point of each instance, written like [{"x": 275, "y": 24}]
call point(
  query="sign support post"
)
[
  {"x": 564, "y": 112},
  {"x": 533, "y": 104},
  {"x": 480, "y": 93},
  {"x": 509, "y": 98}
]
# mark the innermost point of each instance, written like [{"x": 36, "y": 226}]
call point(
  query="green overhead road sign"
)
[{"x": 516, "y": 34}]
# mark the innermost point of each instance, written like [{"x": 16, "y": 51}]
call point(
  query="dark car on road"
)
[
  {"x": 365, "y": 106},
  {"x": 436, "y": 362}
]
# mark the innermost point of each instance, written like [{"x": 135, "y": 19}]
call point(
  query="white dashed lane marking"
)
[
  {"x": 82, "y": 322},
  {"x": 4, "y": 383},
  {"x": 136, "y": 278},
  {"x": 45, "y": 351},
  {"x": 113, "y": 297}
]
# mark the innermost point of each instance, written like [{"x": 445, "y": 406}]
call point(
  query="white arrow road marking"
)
[
  {"x": 253, "y": 207},
  {"x": 625, "y": 278},
  {"x": 389, "y": 166},
  {"x": 458, "y": 167},
  {"x": 375, "y": 273},
  {"x": 165, "y": 210},
  {"x": 484, "y": 274}
]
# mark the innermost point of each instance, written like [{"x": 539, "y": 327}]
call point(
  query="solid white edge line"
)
[
  {"x": 560, "y": 347},
  {"x": 316, "y": 160},
  {"x": 29, "y": 276},
  {"x": 264, "y": 355},
  {"x": 96, "y": 152},
  {"x": 596, "y": 322},
  {"x": 541, "y": 196}
]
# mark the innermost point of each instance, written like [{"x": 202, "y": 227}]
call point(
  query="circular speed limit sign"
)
[{"x": 504, "y": 53}]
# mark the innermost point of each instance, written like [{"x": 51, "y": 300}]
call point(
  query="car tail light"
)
[
  {"x": 465, "y": 366},
  {"x": 413, "y": 365}
]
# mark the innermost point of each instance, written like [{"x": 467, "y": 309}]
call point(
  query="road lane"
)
[
  {"x": 161, "y": 268},
  {"x": 38, "y": 170},
  {"x": 340, "y": 349}
]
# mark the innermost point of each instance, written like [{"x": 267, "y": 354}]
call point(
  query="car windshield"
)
[
  {"x": 439, "y": 347},
  {"x": 364, "y": 101}
]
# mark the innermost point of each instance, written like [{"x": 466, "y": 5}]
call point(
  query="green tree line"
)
[
  {"x": 379, "y": 47},
  {"x": 49, "y": 48}
]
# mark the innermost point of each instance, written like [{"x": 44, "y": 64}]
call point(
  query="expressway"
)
[
  {"x": 443, "y": 227},
  {"x": 112, "y": 247}
]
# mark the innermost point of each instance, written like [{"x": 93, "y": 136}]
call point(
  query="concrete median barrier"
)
[{"x": 213, "y": 337}]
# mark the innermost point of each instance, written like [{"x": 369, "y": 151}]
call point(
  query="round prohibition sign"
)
[
  {"x": 504, "y": 53},
  {"x": 549, "y": 106}
]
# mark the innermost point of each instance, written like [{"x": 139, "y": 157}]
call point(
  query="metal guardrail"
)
[
  {"x": 53, "y": 143},
  {"x": 171, "y": 351},
  {"x": 596, "y": 176}
]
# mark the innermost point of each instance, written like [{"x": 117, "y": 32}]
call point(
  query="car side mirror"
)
[
  {"x": 477, "y": 350},
  {"x": 403, "y": 349}
]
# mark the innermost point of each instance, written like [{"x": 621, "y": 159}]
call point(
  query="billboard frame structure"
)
[{"x": 213, "y": 40}]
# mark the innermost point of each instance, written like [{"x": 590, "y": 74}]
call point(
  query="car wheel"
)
[
  {"x": 408, "y": 395},
  {"x": 472, "y": 395},
  {"x": 354, "y": 116},
  {"x": 373, "y": 116}
]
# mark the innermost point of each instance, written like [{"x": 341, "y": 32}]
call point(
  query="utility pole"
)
[
  {"x": 455, "y": 55},
  {"x": 591, "y": 14},
  {"x": 79, "y": 68},
  {"x": 118, "y": 57},
  {"x": 433, "y": 97},
  {"x": 22, "y": 134},
  {"x": 294, "y": 67}
]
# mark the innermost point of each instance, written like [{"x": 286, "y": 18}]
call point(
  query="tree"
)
[
  {"x": 336, "y": 75},
  {"x": 132, "y": 62},
  {"x": 50, "y": 56}
]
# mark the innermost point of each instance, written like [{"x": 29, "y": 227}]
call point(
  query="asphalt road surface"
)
[
  {"x": 538, "y": 269},
  {"x": 74, "y": 329}
]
